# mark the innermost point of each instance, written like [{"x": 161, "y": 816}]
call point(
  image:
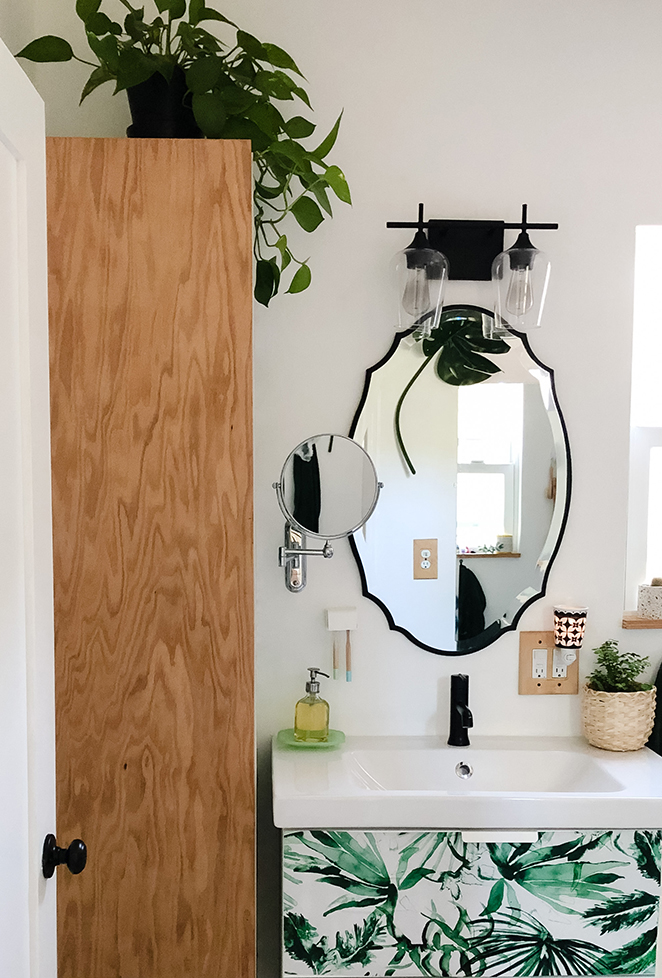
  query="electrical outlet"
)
[
  {"x": 536, "y": 651},
  {"x": 561, "y": 659},
  {"x": 425, "y": 560},
  {"x": 539, "y": 658}
]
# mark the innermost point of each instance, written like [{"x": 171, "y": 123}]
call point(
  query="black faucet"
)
[{"x": 461, "y": 718}]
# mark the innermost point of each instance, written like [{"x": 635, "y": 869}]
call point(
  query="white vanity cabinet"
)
[{"x": 427, "y": 902}]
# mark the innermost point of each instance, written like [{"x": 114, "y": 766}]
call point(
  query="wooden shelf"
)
[
  {"x": 503, "y": 554},
  {"x": 632, "y": 620}
]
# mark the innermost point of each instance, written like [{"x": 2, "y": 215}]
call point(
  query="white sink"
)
[
  {"x": 452, "y": 770},
  {"x": 500, "y": 782}
]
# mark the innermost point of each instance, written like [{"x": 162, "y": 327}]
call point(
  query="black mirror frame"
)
[{"x": 364, "y": 583}]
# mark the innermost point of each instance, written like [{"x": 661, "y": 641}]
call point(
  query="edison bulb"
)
[
  {"x": 416, "y": 295},
  {"x": 520, "y": 292}
]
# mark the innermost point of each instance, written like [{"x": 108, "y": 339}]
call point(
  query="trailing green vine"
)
[{"x": 232, "y": 87}]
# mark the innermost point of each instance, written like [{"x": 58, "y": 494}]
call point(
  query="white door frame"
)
[{"x": 27, "y": 720}]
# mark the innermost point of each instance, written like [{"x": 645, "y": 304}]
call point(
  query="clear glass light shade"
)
[
  {"x": 520, "y": 277},
  {"x": 420, "y": 274}
]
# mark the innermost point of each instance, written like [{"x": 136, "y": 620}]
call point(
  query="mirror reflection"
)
[
  {"x": 328, "y": 486},
  {"x": 466, "y": 432}
]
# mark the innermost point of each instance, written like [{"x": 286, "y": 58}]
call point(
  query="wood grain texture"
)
[
  {"x": 150, "y": 312},
  {"x": 632, "y": 619},
  {"x": 528, "y": 686}
]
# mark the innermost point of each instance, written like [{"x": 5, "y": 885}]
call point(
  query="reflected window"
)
[{"x": 489, "y": 451}]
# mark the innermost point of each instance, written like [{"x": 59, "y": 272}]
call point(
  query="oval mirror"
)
[
  {"x": 328, "y": 486},
  {"x": 466, "y": 431}
]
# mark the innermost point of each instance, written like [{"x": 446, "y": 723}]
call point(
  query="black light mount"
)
[{"x": 470, "y": 246}]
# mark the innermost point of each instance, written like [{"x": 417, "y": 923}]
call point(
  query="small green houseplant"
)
[
  {"x": 231, "y": 86},
  {"x": 617, "y": 671},
  {"x": 619, "y": 710}
]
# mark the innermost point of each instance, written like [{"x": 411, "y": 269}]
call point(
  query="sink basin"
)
[
  {"x": 503, "y": 771},
  {"x": 496, "y": 783}
]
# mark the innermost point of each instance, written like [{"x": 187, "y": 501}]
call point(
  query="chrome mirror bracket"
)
[{"x": 293, "y": 557}]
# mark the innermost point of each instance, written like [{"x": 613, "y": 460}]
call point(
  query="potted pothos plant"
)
[
  {"x": 619, "y": 709},
  {"x": 185, "y": 80}
]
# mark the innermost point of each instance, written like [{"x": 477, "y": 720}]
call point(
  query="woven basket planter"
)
[{"x": 618, "y": 721}]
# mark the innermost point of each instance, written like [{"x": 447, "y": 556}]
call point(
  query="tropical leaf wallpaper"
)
[{"x": 427, "y": 903}]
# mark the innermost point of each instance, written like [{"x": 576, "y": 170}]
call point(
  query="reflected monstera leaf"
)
[{"x": 460, "y": 342}]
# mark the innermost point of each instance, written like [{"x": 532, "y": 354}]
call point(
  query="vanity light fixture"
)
[
  {"x": 474, "y": 250},
  {"x": 421, "y": 273}
]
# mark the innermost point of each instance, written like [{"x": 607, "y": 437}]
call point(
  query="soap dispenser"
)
[{"x": 311, "y": 714}]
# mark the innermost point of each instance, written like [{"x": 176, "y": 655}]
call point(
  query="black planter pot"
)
[{"x": 158, "y": 109}]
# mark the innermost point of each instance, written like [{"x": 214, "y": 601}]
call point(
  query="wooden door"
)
[
  {"x": 27, "y": 726},
  {"x": 150, "y": 311}
]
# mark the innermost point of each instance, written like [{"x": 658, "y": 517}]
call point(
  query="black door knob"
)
[{"x": 74, "y": 857}]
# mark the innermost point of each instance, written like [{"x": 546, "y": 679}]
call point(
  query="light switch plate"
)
[
  {"x": 533, "y": 686},
  {"x": 425, "y": 560}
]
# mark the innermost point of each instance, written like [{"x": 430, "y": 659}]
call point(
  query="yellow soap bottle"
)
[{"x": 311, "y": 714}]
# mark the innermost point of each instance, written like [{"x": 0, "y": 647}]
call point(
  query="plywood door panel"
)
[{"x": 150, "y": 308}]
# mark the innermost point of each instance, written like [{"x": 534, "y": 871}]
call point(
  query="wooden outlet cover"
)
[
  {"x": 425, "y": 573},
  {"x": 528, "y": 686}
]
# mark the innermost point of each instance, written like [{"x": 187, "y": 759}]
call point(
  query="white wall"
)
[{"x": 472, "y": 107}]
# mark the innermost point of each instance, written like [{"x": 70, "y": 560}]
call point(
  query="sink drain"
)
[{"x": 464, "y": 770}]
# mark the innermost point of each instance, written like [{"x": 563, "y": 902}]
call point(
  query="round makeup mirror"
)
[{"x": 328, "y": 488}]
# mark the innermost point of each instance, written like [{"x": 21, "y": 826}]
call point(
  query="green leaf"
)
[
  {"x": 134, "y": 25},
  {"x": 177, "y": 9},
  {"x": 647, "y": 853},
  {"x": 133, "y": 67},
  {"x": 98, "y": 77},
  {"x": 329, "y": 141},
  {"x": 47, "y": 48},
  {"x": 210, "y": 114},
  {"x": 633, "y": 958},
  {"x": 251, "y": 46},
  {"x": 299, "y": 128},
  {"x": 267, "y": 117},
  {"x": 86, "y": 8},
  {"x": 106, "y": 50},
  {"x": 245, "y": 129},
  {"x": 338, "y": 183},
  {"x": 623, "y": 911},
  {"x": 291, "y": 150},
  {"x": 279, "y": 58},
  {"x": 318, "y": 188},
  {"x": 274, "y": 84},
  {"x": 197, "y": 11},
  {"x": 100, "y": 24},
  {"x": 301, "y": 280},
  {"x": 307, "y": 213},
  {"x": 264, "y": 282},
  {"x": 268, "y": 193},
  {"x": 203, "y": 75},
  {"x": 415, "y": 877},
  {"x": 495, "y": 898},
  {"x": 297, "y": 90}
]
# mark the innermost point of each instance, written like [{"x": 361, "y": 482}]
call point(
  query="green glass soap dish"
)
[{"x": 286, "y": 739}]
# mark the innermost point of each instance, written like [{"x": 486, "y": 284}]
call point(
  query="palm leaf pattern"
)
[
  {"x": 426, "y": 903},
  {"x": 515, "y": 943}
]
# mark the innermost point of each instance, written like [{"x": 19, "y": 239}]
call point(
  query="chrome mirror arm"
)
[
  {"x": 284, "y": 554},
  {"x": 293, "y": 557}
]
